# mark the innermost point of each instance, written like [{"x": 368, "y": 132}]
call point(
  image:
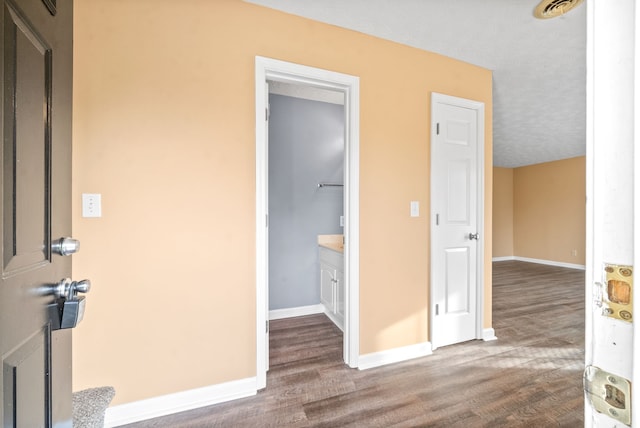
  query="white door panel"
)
[
  {"x": 458, "y": 195},
  {"x": 458, "y": 292},
  {"x": 456, "y": 201}
]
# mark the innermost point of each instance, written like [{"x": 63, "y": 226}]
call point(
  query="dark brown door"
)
[{"x": 35, "y": 210}]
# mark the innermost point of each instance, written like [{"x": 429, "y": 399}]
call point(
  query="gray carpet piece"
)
[{"x": 89, "y": 406}]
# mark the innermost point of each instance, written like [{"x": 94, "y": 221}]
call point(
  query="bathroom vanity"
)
[{"x": 331, "y": 257}]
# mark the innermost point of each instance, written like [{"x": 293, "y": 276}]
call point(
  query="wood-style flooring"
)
[{"x": 530, "y": 377}]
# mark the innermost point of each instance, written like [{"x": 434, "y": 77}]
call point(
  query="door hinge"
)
[
  {"x": 437, "y": 219},
  {"x": 437, "y": 128},
  {"x": 267, "y": 326},
  {"x": 437, "y": 309},
  {"x": 266, "y": 220},
  {"x": 267, "y": 113}
]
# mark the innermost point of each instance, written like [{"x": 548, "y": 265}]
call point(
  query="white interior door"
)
[{"x": 456, "y": 204}]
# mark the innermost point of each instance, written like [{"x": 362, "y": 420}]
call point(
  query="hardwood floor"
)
[{"x": 530, "y": 377}]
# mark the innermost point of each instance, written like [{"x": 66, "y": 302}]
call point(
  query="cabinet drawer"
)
[{"x": 331, "y": 257}]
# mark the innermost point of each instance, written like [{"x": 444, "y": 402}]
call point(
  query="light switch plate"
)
[
  {"x": 415, "y": 209},
  {"x": 91, "y": 205}
]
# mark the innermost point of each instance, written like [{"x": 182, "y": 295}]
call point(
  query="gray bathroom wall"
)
[{"x": 306, "y": 147}]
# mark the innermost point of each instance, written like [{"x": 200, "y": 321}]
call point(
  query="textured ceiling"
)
[{"x": 539, "y": 68}]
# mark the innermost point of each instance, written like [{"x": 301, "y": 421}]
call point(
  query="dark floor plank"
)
[{"x": 530, "y": 377}]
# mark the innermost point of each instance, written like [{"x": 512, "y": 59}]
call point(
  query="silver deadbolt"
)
[
  {"x": 65, "y": 246},
  {"x": 473, "y": 236}
]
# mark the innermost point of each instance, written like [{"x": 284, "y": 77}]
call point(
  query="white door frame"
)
[
  {"x": 479, "y": 108},
  {"x": 613, "y": 189},
  {"x": 281, "y": 71}
]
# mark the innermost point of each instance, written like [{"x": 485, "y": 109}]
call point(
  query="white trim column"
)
[{"x": 611, "y": 101}]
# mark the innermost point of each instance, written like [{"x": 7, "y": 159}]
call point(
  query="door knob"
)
[
  {"x": 473, "y": 236},
  {"x": 69, "y": 289},
  {"x": 65, "y": 246},
  {"x": 81, "y": 286},
  {"x": 67, "y": 310}
]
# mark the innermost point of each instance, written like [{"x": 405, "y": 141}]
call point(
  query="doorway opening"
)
[{"x": 270, "y": 70}]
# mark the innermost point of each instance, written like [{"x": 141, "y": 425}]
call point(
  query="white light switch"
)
[
  {"x": 91, "y": 205},
  {"x": 415, "y": 209}
]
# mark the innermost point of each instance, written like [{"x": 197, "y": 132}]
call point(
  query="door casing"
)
[
  {"x": 479, "y": 108},
  {"x": 282, "y": 71},
  {"x": 612, "y": 190}
]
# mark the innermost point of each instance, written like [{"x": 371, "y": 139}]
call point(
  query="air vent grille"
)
[{"x": 553, "y": 8}]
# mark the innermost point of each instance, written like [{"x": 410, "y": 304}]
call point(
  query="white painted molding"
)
[
  {"x": 300, "y": 311},
  {"x": 179, "y": 402},
  {"x": 543, "y": 262},
  {"x": 503, "y": 259},
  {"x": 489, "y": 334},
  {"x": 306, "y": 92},
  {"x": 268, "y": 69},
  {"x": 396, "y": 355}
]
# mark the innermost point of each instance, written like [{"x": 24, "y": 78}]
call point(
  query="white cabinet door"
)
[{"x": 327, "y": 276}]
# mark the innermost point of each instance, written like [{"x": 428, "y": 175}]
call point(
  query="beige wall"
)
[
  {"x": 164, "y": 130},
  {"x": 502, "y": 212},
  {"x": 549, "y": 211}
]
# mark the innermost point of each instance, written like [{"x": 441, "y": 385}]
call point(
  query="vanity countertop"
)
[{"x": 332, "y": 242}]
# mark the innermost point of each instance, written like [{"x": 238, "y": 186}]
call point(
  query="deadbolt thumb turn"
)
[{"x": 473, "y": 236}]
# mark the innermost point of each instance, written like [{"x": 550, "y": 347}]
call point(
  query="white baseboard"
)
[
  {"x": 541, "y": 262},
  {"x": 396, "y": 355},
  {"x": 503, "y": 259},
  {"x": 489, "y": 334},
  {"x": 179, "y": 402},
  {"x": 300, "y": 311}
]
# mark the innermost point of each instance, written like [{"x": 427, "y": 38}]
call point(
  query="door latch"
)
[{"x": 608, "y": 393}]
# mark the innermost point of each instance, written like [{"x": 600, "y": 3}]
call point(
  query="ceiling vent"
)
[{"x": 553, "y": 8}]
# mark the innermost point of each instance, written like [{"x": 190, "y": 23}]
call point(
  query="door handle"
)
[
  {"x": 473, "y": 236},
  {"x": 68, "y": 289},
  {"x": 68, "y": 308}
]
